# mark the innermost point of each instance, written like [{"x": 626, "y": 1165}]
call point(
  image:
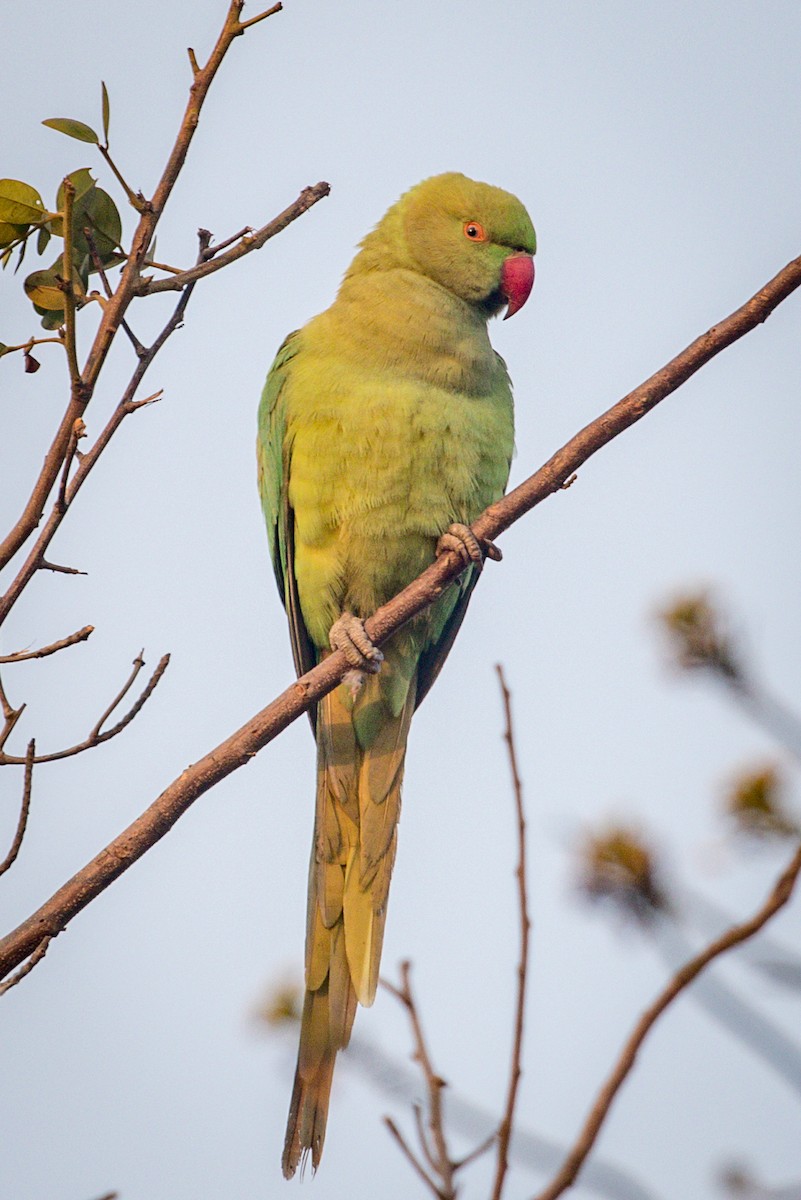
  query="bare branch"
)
[
  {"x": 78, "y": 432},
  {"x": 505, "y": 1128},
  {"x": 249, "y": 241},
  {"x": 240, "y": 747},
  {"x": 36, "y": 957},
  {"x": 96, "y": 737},
  {"x": 44, "y": 565},
  {"x": 439, "y": 1156},
  {"x": 412, "y": 1158},
  {"x": 10, "y": 716},
  {"x": 780, "y": 894},
  {"x": 23, "y": 655},
  {"x": 22, "y": 823},
  {"x": 243, "y": 25}
]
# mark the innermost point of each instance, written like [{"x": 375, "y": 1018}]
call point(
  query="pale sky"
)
[{"x": 656, "y": 148}]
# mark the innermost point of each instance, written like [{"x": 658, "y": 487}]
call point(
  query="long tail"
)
[{"x": 361, "y": 745}]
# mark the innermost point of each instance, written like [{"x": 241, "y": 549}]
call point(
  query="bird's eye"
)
[{"x": 475, "y": 232}]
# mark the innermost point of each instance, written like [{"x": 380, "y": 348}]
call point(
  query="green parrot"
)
[{"x": 385, "y": 428}]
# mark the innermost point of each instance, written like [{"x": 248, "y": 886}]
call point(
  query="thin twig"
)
[
  {"x": 69, "y": 291},
  {"x": 243, "y": 25},
  {"x": 246, "y": 245},
  {"x": 22, "y": 823},
  {"x": 780, "y": 894},
  {"x": 241, "y": 746},
  {"x": 23, "y": 655},
  {"x": 412, "y": 1158},
  {"x": 139, "y": 349},
  {"x": 99, "y": 735},
  {"x": 36, "y": 957},
  {"x": 506, "y": 1125},
  {"x": 439, "y": 1155},
  {"x": 78, "y": 432},
  {"x": 10, "y": 716},
  {"x": 58, "y": 569}
]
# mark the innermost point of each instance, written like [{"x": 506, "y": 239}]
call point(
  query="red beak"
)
[{"x": 517, "y": 280}]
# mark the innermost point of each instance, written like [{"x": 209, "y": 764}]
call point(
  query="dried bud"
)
[
  {"x": 32, "y": 364},
  {"x": 282, "y": 1005},
  {"x": 756, "y": 804},
  {"x": 697, "y": 636},
  {"x": 618, "y": 865}
]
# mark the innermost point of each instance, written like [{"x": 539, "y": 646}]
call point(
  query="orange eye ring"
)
[{"x": 475, "y": 231}]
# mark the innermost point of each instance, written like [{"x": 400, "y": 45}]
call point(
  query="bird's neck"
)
[{"x": 400, "y": 319}]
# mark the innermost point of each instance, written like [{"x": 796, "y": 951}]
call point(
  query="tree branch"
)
[
  {"x": 505, "y": 1128},
  {"x": 439, "y": 1156},
  {"x": 96, "y": 737},
  {"x": 241, "y": 746},
  {"x": 781, "y": 893},
  {"x": 249, "y": 240},
  {"x": 23, "y": 655},
  {"x": 22, "y": 823},
  {"x": 115, "y": 308}
]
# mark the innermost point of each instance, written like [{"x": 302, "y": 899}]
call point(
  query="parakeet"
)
[{"x": 385, "y": 428}]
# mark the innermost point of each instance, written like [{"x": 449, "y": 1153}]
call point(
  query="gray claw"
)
[
  {"x": 348, "y": 635},
  {"x": 461, "y": 539}
]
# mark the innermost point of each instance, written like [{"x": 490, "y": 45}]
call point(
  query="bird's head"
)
[{"x": 474, "y": 239}]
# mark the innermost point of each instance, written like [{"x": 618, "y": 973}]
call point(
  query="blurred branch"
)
[
  {"x": 781, "y": 893},
  {"x": 780, "y": 964},
  {"x": 735, "y": 1014},
  {"x": 98, "y": 735},
  {"x": 242, "y": 745},
  {"x": 22, "y": 823},
  {"x": 701, "y": 642},
  {"x": 506, "y": 1125}
]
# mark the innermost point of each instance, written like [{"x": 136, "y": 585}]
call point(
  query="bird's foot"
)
[
  {"x": 348, "y": 635},
  {"x": 462, "y": 540}
]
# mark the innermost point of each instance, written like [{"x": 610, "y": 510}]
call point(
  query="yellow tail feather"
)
[{"x": 358, "y": 805}]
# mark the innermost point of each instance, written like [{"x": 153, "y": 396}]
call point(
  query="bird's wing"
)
[
  {"x": 274, "y": 461},
  {"x": 433, "y": 657}
]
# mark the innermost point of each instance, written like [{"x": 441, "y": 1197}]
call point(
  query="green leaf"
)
[
  {"x": 106, "y": 110},
  {"x": 10, "y": 233},
  {"x": 82, "y": 180},
  {"x": 20, "y": 204},
  {"x": 43, "y": 239},
  {"x": 106, "y": 224},
  {"x": 50, "y": 320},
  {"x": 3, "y": 349},
  {"x": 73, "y": 129},
  {"x": 41, "y": 288}
]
